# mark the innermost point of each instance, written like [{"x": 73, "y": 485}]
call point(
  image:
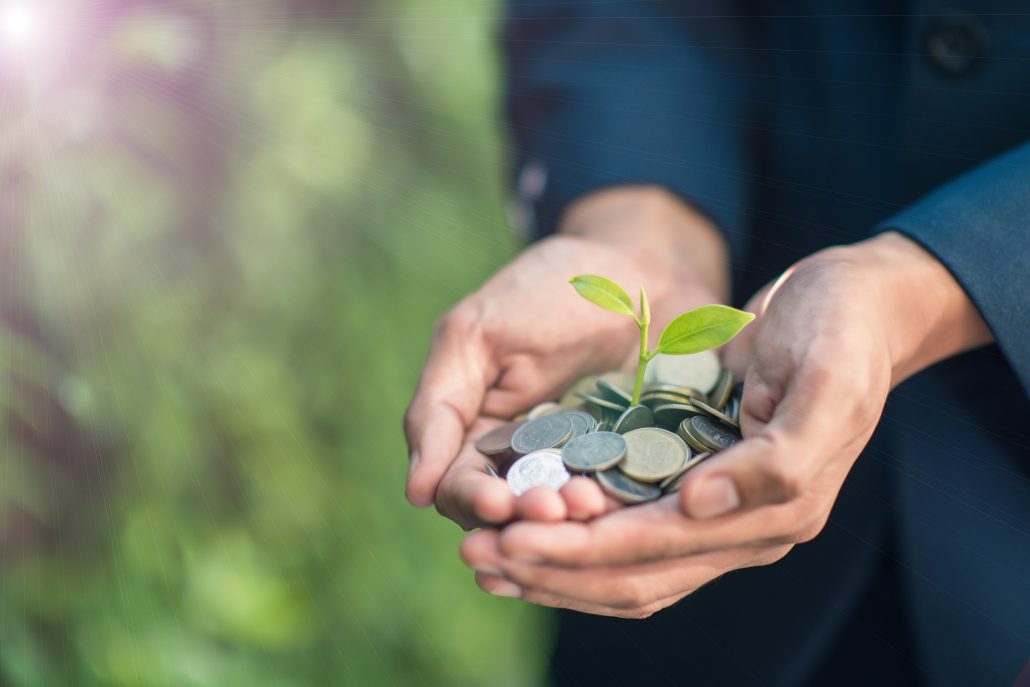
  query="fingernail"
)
[
  {"x": 413, "y": 460},
  {"x": 489, "y": 570},
  {"x": 715, "y": 496},
  {"x": 507, "y": 589}
]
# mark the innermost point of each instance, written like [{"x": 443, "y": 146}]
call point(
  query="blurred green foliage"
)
[{"x": 229, "y": 229}]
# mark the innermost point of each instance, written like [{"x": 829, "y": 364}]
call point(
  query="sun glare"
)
[{"x": 19, "y": 25}]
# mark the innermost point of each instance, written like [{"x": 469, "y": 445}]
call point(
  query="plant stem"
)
[{"x": 642, "y": 361}]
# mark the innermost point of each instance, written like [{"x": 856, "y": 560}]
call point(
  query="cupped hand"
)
[
  {"x": 832, "y": 337},
  {"x": 525, "y": 336}
]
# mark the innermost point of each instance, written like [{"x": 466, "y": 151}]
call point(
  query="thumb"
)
[
  {"x": 446, "y": 402},
  {"x": 777, "y": 461}
]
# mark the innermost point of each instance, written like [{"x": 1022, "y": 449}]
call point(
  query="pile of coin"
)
[{"x": 689, "y": 410}]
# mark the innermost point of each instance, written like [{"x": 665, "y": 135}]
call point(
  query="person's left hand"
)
[{"x": 832, "y": 337}]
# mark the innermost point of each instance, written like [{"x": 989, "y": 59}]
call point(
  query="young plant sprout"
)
[{"x": 692, "y": 332}]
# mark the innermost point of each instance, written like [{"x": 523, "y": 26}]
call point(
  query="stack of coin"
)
[{"x": 689, "y": 410}]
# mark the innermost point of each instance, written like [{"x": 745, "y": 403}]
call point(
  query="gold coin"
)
[{"x": 652, "y": 454}]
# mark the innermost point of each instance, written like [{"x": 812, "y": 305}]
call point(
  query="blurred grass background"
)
[{"x": 226, "y": 228}]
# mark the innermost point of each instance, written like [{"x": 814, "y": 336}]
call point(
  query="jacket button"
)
[{"x": 956, "y": 43}]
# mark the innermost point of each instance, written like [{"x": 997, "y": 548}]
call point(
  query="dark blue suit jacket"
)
[{"x": 809, "y": 128}]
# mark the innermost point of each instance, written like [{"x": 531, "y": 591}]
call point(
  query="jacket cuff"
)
[{"x": 978, "y": 226}]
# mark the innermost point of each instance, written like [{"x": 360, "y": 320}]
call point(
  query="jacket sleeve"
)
[
  {"x": 978, "y": 226},
  {"x": 621, "y": 92}
]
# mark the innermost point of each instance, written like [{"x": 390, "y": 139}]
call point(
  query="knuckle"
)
[
  {"x": 820, "y": 369},
  {"x": 410, "y": 421},
  {"x": 784, "y": 479},
  {"x": 465, "y": 317}
]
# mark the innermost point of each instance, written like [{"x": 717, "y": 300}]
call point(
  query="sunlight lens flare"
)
[{"x": 21, "y": 26}]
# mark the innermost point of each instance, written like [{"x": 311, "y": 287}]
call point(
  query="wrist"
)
[
  {"x": 656, "y": 228},
  {"x": 926, "y": 314}
]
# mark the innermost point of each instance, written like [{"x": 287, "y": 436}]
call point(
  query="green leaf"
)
[
  {"x": 702, "y": 328},
  {"x": 603, "y": 292},
  {"x": 645, "y": 308}
]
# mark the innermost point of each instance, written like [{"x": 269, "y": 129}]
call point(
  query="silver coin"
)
[
  {"x": 698, "y": 371},
  {"x": 717, "y": 414},
  {"x": 687, "y": 433},
  {"x": 490, "y": 471},
  {"x": 541, "y": 409},
  {"x": 713, "y": 434},
  {"x": 721, "y": 393},
  {"x": 593, "y": 452},
  {"x": 656, "y": 398},
  {"x": 582, "y": 423},
  {"x": 602, "y": 403},
  {"x": 625, "y": 489},
  {"x": 497, "y": 440},
  {"x": 548, "y": 431},
  {"x": 633, "y": 418},
  {"x": 736, "y": 398},
  {"x": 539, "y": 468},
  {"x": 672, "y": 414},
  {"x": 611, "y": 392},
  {"x": 673, "y": 481},
  {"x": 674, "y": 389},
  {"x": 583, "y": 385}
]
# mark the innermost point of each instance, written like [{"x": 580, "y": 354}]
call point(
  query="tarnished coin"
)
[
  {"x": 601, "y": 403},
  {"x": 541, "y": 409},
  {"x": 594, "y": 451},
  {"x": 634, "y": 418},
  {"x": 688, "y": 434},
  {"x": 656, "y": 398},
  {"x": 625, "y": 489},
  {"x": 698, "y": 371},
  {"x": 497, "y": 440},
  {"x": 539, "y": 468},
  {"x": 736, "y": 397},
  {"x": 721, "y": 393},
  {"x": 548, "y": 431},
  {"x": 717, "y": 414},
  {"x": 672, "y": 414},
  {"x": 582, "y": 423},
  {"x": 612, "y": 392},
  {"x": 714, "y": 435},
  {"x": 623, "y": 380},
  {"x": 732, "y": 409},
  {"x": 674, "y": 389},
  {"x": 652, "y": 454},
  {"x": 673, "y": 481},
  {"x": 583, "y": 385}
]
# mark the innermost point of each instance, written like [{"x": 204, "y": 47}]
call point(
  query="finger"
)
[
  {"x": 615, "y": 587},
  {"x": 584, "y": 499},
  {"x": 498, "y": 586},
  {"x": 738, "y": 353},
  {"x": 469, "y": 495},
  {"x": 644, "y": 533},
  {"x": 446, "y": 401},
  {"x": 542, "y": 504},
  {"x": 779, "y": 463},
  {"x": 521, "y": 385}
]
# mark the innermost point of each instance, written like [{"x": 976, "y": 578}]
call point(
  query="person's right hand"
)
[{"x": 525, "y": 336}]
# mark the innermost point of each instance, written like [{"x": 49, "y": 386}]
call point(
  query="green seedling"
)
[{"x": 694, "y": 331}]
